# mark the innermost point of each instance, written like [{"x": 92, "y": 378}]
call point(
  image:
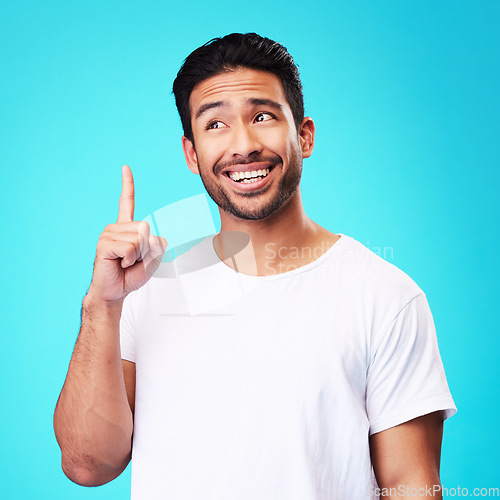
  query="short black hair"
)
[{"x": 231, "y": 52}]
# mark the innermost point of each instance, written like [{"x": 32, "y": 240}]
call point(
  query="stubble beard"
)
[{"x": 287, "y": 187}]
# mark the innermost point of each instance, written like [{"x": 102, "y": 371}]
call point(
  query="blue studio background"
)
[{"x": 405, "y": 99}]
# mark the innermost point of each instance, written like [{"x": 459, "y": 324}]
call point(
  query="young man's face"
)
[{"x": 243, "y": 128}]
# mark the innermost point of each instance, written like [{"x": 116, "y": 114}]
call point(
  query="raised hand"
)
[{"x": 127, "y": 255}]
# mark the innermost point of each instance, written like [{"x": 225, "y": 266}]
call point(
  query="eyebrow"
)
[
  {"x": 266, "y": 102},
  {"x": 210, "y": 105},
  {"x": 253, "y": 101}
]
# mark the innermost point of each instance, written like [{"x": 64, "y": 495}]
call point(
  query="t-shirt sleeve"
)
[
  {"x": 406, "y": 378},
  {"x": 127, "y": 328}
]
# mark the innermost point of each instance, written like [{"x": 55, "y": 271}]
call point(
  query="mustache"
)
[{"x": 252, "y": 158}]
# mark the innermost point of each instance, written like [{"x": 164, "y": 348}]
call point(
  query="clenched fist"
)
[{"x": 127, "y": 255}]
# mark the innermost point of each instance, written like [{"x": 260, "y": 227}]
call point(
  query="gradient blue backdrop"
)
[{"x": 405, "y": 99}]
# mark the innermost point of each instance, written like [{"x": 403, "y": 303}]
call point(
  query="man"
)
[{"x": 305, "y": 375}]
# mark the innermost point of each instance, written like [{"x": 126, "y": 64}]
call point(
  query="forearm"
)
[
  {"x": 412, "y": 488},
  {"x": 406, "y": 458},
  {"x": 93, "y": 421}
]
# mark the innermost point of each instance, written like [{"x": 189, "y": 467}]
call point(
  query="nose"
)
[{"x": 245, "y": 141}]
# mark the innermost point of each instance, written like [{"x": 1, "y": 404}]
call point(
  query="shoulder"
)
[
  {"x": 362, "y": 265},
  {"x": 367, "y": 279}
]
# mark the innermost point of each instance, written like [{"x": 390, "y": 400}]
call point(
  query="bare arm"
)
[
  {"x": 129, "y": 376},
  {"x": 93, "y": 420},
  {"x": 406, "y": 458}
]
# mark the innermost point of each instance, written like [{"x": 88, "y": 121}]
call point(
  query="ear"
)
[
  {"x": 190, "y": 155},
  {"x": 306, "y": 136}
]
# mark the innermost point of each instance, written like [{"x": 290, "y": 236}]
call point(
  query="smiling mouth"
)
[{"x": 249, "y": 176}]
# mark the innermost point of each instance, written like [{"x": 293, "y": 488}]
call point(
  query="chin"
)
[{"x": 258, "y": 211}]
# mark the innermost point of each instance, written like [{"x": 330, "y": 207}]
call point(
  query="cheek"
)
[
  {"x": 208, "y": 147},
  {"x": 276, "y": 140},
  {"x": 209, "y": 153}
]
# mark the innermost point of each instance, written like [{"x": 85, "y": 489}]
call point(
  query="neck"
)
[{"x": 280, "y": 242}]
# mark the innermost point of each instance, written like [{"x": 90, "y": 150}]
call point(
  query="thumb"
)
[
  {"x": 157, "y": 248},
  {"x": 157, "y": 245}
]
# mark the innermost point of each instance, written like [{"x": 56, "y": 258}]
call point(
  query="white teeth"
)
[{"x": 236, "y": 176}]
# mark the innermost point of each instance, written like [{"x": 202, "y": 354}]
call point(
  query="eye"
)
[
  {"x": 264, "y": 117},
  {"x": 215, "y": 124}
]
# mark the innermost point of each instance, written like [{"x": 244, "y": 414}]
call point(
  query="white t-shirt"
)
[{"x": 271, "y": 390}]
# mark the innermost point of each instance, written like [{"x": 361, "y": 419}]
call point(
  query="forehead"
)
[{"x": 237, "y": 84}]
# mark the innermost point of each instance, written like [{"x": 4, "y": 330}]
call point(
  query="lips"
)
[
  {"x": 248, "y": 167},
  {"x": 249, "y": 177}
]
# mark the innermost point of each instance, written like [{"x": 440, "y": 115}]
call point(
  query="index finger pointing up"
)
[{"x": 126, "y": 210}]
